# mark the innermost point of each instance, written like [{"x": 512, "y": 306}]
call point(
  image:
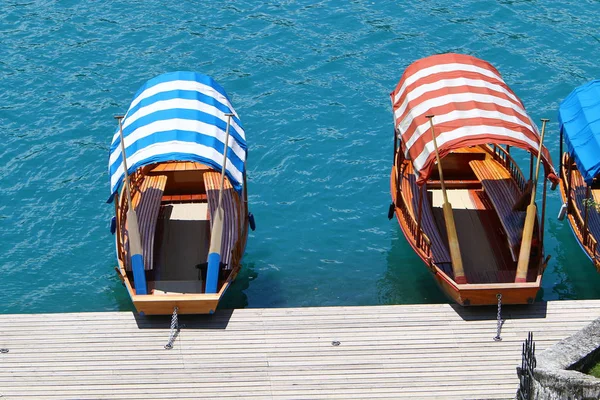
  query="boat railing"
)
[
  {"x": 422, "y": 241},
  {"x": 135, "y": 180},
  {"x": 502, "y": 156},
  {"x": 586, "y": 238}
]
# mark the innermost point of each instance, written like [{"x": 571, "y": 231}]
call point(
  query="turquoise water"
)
[{"x": 310, "y": 81}]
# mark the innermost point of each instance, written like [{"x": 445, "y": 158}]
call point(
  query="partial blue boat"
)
[{"x": 579, "y": 123}]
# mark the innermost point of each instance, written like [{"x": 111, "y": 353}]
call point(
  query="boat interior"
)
[
  {"x": 174, "y": 203},
  {"x": 482, "y": 193}
]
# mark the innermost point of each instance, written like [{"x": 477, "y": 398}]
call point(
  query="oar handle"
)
[
  {"x": 224, "y": 164},
  {"x": 457, "y": 265},
  {"x": 538, "y": 161}
]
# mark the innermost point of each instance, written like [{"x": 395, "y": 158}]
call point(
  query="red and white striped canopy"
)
[{"x": 471, "y": 105}]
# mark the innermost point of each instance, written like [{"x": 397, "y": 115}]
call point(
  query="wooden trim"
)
[
  {"x": 509, "y": 163},
  {"x": 588, "y": 242},
  {"x": 407, "y": 220}
]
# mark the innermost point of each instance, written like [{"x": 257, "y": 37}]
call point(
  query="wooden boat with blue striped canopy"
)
[
  {"x": 181, "y": 209},
  {"x": 579, "y": 124},
  {"x": 460, "y": 198}
]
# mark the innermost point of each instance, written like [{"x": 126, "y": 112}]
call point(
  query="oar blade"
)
[
  {"x": 137, "y": 258},
  {"x": 214, "y": 253}
]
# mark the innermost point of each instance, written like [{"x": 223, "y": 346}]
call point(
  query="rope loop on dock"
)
[
  {"x": 499, "y": 317},
  {"x": 174, "y": 329}
]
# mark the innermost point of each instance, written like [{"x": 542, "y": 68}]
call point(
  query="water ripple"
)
[{"x": 310, "y": 81}]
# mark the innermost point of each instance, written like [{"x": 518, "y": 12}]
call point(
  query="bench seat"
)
[
  {"x": 503, "y": 193},
  {"x": 231, "y": 228},
  {"x": 147, "y": 205},
  {"x": 439, "y": 249}
]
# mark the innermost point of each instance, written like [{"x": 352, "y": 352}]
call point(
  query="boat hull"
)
[
  {"x": 470, "y": 294},
  {"x": 174, "y": 294},
  {"x": 575, "y": 215}
]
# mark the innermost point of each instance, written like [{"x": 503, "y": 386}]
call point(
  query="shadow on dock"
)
[
  {"x": 219, "y": 320},
  {"x": 483, "y": 313}
]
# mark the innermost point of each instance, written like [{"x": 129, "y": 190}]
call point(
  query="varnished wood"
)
[
  {"x": 572, "y": 187},
  {"x": 455, "y": 253},
  {"x": 184, "y": 183},
  {"x": 525, "y": 250},
  {"x": 393, "y": 352},
  {"x": 496, "y": 165}
]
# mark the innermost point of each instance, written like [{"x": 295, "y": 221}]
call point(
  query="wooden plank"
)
[{"x": 413, "y": 351}]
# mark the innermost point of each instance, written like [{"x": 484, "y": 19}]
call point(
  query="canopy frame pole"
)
[
  {"x": 525, "y": 251},
  {"x": 419, "y": 236},
  {"x": 135, "y": 242},
  {"x": 543, "y": 212},
  {"x": 395, "y": 143},
  {"x": 569, "y": 168},
  {"x": 457, "y": 265},
  {"x": 585, "y": 216},
  {"x": 560, "y": 150}
]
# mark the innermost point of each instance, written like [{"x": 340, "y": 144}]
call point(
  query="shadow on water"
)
[
  {"x": 233, "y": 298},
  {"x": 407, "y": 279},
  {"x": 119, "y": 295},
  {"x": 570, "y": 274}
]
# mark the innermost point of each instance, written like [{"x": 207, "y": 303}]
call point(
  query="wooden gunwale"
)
[
  {"x": 587, "y": 241},
  {"x": 422, "y": 244}
]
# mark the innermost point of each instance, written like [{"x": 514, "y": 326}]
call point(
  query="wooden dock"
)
[{"x": 405, "y": 351}]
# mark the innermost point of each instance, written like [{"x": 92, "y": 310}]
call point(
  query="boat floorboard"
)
[
  {"x": 484, "y": 258},
  {"x": 403, "y": 351}
]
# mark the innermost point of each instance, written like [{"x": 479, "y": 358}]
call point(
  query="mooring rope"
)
[
  {"x": 174, "y": 329},
  {"x": 499, "y": 317}
]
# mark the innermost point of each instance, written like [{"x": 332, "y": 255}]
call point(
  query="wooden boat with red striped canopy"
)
[
  {"x": 181, "y": 216},
  {"x": 461, "y": 200}
]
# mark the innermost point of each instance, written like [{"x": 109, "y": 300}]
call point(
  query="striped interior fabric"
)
[
  {"x": 471, "y": 105},
  {"x": 212, "y": 183},
  {"x": 179, "y": 116}
]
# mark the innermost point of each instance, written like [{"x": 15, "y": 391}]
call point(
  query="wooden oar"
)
[
  {"x": 216, "y": 234},
  {"x": 133, "y": 230},
  {"x": 525, "y": 251},
  {"x": 457, "y": 266}
]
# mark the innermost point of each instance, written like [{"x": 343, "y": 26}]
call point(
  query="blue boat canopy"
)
[
  {"x": 179, "y": 116},
  {"x": 579, "y": 121}
]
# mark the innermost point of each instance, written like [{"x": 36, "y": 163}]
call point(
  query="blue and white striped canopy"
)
[{"x": 179, "y": 116}]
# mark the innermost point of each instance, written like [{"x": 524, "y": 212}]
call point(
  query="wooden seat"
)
[
  {"x": 212, "y": 182},
  {"x": 503, "y": 194},
  {"x": 439, "y": 249},
  {"x": 147, "y": 205},
  {"x": 180, "y": 166},
  {"x": 183, "y": 197}
]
